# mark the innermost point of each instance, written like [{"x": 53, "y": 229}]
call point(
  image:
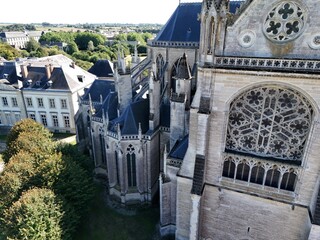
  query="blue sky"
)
[{"x": 88, "y": 11}]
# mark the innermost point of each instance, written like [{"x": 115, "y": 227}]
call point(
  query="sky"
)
[{"x": 88, "y": 11}]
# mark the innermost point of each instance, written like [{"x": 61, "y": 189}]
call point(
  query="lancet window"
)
[{"x": 131, "y": 166}]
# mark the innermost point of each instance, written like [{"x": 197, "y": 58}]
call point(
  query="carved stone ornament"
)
[
  {"x": 285, "y": 21},
  {"x": 246, "y": 38},
  {"x": 270, "y": 122},
  {"x": 314, "y": 42}
]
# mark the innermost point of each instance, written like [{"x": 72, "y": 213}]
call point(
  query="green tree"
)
[
  {"x": 27, "y": 135},
  {"x": 72, "y": 48},
  {"x": 82, "y": 39},
  {"x": 15, "y": 178},
  {"x": 90, "y": 46},
  {"x": 36, "y": 215},
  {"x": 32, "y": 45},
  {"x": 8, "y": 52}
]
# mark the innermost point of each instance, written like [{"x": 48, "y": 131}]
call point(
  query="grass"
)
[{"x": 104, "y": 222}]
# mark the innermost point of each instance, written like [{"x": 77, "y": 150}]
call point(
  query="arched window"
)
[
  {"x": 273, "y": 176},
  {"x": 229, "y": 169},
  {"x": 117, "y": 166},
  {"x": 210, "y": 35},
  {"x": 270, "y": 122},
  {"x": 257, "y": 174},
  {"x": 288, "y": 181},
  {"x": 131, "y": 166},
  {"x": 243, "y": 172},
  {"x": 160, "y": 70},
  {"x": 102, "y": 148}
]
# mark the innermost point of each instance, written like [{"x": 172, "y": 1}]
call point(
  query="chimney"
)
[
  {"x": 24, "y": 71},
  {"x": 48, "y": 71}
]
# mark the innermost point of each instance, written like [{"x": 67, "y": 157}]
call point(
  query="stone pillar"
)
[{"x": 194, "y": 219}]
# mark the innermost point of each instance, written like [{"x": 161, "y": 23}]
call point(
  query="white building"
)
[
  {"x": 19, "y": 39},
  {"x": 44, "y": 89}
]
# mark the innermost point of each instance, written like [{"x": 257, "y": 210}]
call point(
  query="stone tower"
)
[{"x": 251, "y": 169}]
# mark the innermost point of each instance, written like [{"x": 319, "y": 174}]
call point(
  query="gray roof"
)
[
  {"x": 102, "y": 68},
  {"x": 21, "y": 34},
  {"x": 64, "y": 75},
  {"x": 137, "y": 112},
  {"x": 183, "y": 25},
  {"x": 180, "y": 148}
]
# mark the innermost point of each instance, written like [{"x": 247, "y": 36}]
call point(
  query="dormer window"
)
[{"x": 81, "y": 78}]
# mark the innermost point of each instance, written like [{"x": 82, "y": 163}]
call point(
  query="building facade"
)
[
  {"x": 44, "y": 89},
  {"x": 19, "y": 39},
  {"x": 221, "y": 118},
  {"x": 251, "y": 169}
]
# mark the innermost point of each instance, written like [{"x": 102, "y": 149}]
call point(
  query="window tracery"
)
[
  {"x": 269, "y": 122},
  {"x": 131, "y": 166},
  {"x": 285, "y": 21},
  {"x": 257, "y": 171}
]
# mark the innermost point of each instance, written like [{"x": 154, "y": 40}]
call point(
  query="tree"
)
[
  {"x": 33, "y": 135},
  {"x": 36, "y": 215},
  {"x": 90, "y": 46},
  {"x": 15, "y": 178},
  {"x": 72, "y": 48},
  {"x": 8, "y": 52},
  {"x": 32, "y": 45},
  {"x": 82, "y": 39}
]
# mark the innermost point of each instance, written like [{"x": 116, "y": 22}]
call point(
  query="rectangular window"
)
[
  {"x": 40, "y": 102},
  {"x": 52, "y": 103},
  {"x": 66, "y": 121},
  {"x": 55, "y": 121},
  {"x": 5, "y": 101},
  {"x": 17, "y": 117},
  {"x": 14, "y": 102},
  {"x": 32, "y": 116},
  {"x": 63, "y": 103},
  {"x": 8, "y": 118},
  {"x": 29, "y": 102},
  {"x": 44, "y": 119}
]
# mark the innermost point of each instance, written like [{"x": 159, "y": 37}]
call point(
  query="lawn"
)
[{"x": 114, "y": 223}]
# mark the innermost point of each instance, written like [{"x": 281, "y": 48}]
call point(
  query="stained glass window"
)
[{"x": 269, "y": 122}]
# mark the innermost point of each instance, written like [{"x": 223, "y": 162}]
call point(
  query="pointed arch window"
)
[
  {"x": 117, "y": 166},
  {"x": 160, "y": 70},
  {"x": 131, "y": 166},
  {"x": 210, "y": 35},
  {"x": 102, "y": 148}
]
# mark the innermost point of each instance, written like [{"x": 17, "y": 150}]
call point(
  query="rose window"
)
[
  {"x": 269, "y": 122},
  {"x": 285, "y": 21}
]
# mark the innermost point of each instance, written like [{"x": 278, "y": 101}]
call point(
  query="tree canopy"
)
[{"x": 41, "y": 174}]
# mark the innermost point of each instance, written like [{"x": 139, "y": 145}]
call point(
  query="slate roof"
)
[
  {"x": 183, "y": 25},
  {"x": 233, "y": 5},
  {"x": 110, "y": 106},
  {"x": 21, "y": 34},
  {"x": 102, "y": 68},
  {"x": 180, "y": 148},
  {"x": 64, "y": 75},
  {"x": 8, "y": 71},
  {"x": 103, "y": 90},
  {"x": 99, "y": 88},
  {"x": 137, "y": 112}
]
